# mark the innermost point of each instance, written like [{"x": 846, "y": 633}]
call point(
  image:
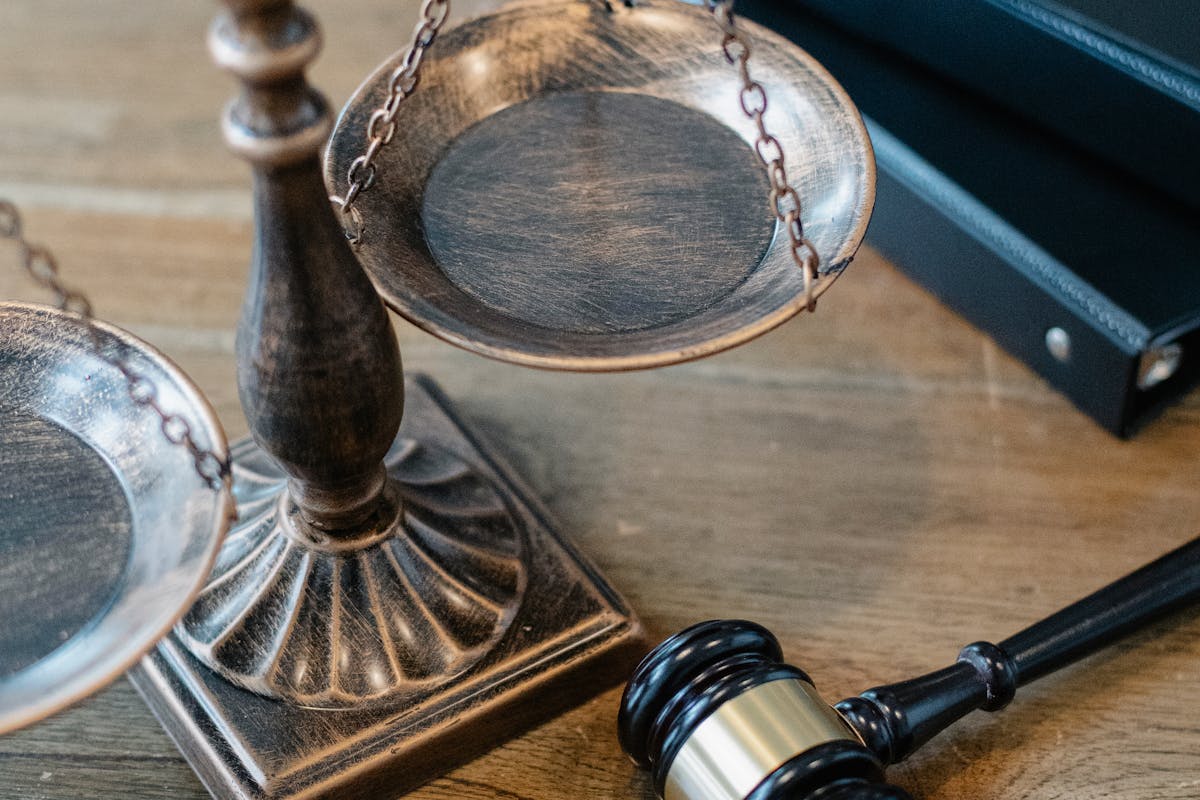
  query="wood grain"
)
[{"x": 877, "y": 483}]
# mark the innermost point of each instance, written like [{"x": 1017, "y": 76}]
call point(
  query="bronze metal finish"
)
[
  {"x": 110, "y": 529},
  {"x": 431, "y": 591},
  {"x": 42, "y": 267},
  {"x": 401, "y": 684},
  {"x": 576, "y": 188},
  {"x": 392, "y": 601}
]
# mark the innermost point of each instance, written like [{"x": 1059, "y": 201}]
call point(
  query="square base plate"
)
[{"x": 573, "y": 636}]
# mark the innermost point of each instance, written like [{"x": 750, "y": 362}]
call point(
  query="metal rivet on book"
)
[{"x": 1058, "y": 342}]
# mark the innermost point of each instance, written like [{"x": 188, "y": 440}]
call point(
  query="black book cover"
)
[
  {"x": 1119, "y": 78},
  {"x": 1022, "y": 232}
]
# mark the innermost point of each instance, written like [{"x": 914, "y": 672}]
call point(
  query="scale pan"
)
[
  {"x": 108, "y": 530},
  {"x": 573, "y": 188}
]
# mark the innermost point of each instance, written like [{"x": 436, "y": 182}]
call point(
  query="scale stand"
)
[{"x": 392, "y": 601}]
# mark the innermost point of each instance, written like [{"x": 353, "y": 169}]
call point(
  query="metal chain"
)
[
  {"x": 783, "y": 199},
  {"x": 381, "y": 125},
  {"x": 43, "y": 268}
]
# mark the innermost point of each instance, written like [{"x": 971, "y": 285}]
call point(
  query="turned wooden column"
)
[{"x": 319, "y": 372}]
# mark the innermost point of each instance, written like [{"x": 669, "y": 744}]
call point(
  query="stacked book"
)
[{"x": 1039, "y": 172}]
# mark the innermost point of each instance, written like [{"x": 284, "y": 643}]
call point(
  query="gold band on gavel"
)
[{"x": 749, "y": 737}]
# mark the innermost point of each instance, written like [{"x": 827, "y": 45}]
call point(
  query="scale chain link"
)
[
  {"x": 42, "y": 267},
  {"x": 783, "y": 198},
  {"x": 381, "y": 125}
]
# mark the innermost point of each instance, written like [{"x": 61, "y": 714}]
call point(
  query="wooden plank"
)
[
  {"x": 127, "y": 98},
  {"x": 877, "y": 483}
]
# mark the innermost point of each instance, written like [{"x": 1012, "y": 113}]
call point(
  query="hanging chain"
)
[
  {"x": 381, "y": 126},
  {"x": 43, "y": 268},
  {"x": 784, "y": 200}
]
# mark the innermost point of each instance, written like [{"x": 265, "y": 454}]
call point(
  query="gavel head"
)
[{"x": 716, "y": 715}]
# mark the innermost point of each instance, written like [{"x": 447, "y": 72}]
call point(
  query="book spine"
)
[
  {"x": 1004, "y": 283},
  {"x": 1128, "y": 105}
]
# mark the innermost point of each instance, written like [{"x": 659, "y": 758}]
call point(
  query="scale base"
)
[{"x": 571, "y": 637}]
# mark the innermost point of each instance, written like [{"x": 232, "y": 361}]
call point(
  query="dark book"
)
[
  {"x": 1093, "y": 279},
  {"x": 1119, "y": 78}
]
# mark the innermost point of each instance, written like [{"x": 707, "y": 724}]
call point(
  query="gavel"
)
[{"x": 716, "y": 715}]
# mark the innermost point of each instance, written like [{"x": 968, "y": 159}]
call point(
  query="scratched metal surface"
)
[
  {"x": 878, "y": 484},
  {"x": 107, "y": 529},
  {"x": 67, "y": 537},
  {"x": 615, "y": 80}
]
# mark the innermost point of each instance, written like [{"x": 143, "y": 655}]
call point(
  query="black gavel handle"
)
[
  {"x": 895, "y": 720},
  {"x": 1099, "y": 619}
]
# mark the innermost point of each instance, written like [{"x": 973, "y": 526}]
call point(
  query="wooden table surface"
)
[{"x": 878, "y": 484}]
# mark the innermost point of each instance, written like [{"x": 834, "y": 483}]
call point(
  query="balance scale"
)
[{"x": 574, "y": 185}]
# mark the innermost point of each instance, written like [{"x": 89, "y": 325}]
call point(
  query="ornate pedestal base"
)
[{"x": 400, "y": 704}]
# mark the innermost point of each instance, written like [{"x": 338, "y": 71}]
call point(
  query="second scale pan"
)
[
  {"x": 575, "y": 188},
  {"x": 108, "y": 529}
]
